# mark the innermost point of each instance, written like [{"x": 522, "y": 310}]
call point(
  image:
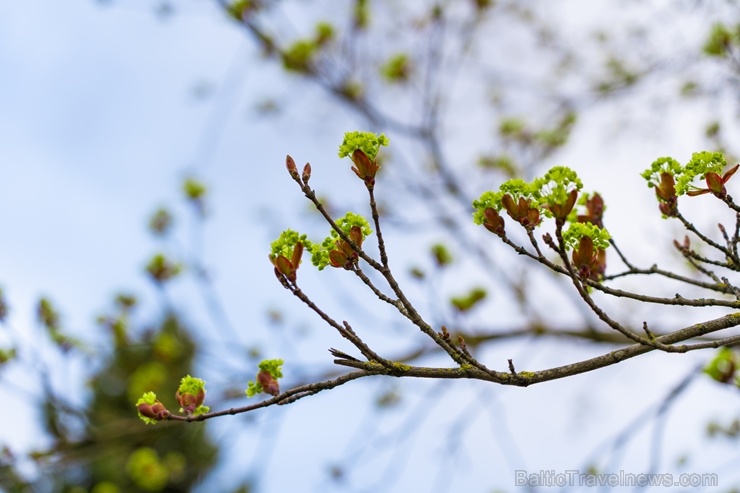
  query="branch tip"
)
[{"x": 339, "y": 354}]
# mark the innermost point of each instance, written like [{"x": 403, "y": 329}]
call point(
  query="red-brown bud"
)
[
  {"x": 297, "y": 253},
  {"x": 594, "y": 211},
  {"x": 494, "y": 222},
  {"x": 290, "y": 164},
  {"x": 584, "y": 254},
  {"x": 532, "y": 218},
  {"x": 344, "y": 248},
  {"x": 560, "y": 211},
  {"x": 589, "y": 262},
  {"x": 510, "y": 206},
  {"x": 527, "y": 216},
  {"x": 189, "y": 402},
  {"x": 338, "y": 258},
  {"x": 355, "y": 234},
  {"x": 153, "y": 411},
  {"x": 284, "y": 265},
  {"x": 726, "y": 177},
  {"x": 269, "y": 384},
  {"x": 715, "y": 183},
  {"x": 666, "y": 193},
  {"x": 668, "y": 209},
  {"x": 364, "y": 168}
]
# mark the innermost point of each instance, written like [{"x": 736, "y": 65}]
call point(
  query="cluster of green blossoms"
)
[
  {"x": 553, "y": 195},
  {"x": 367, "y": 142},
  {"x": 577, "y": 231},
  {"x": 190, "y": 395},
  {"x": 670, "y": 179},
  {"x": 285, "y": 244},
  {"x": 363, "y": 148},
  {"x": 334, "y": 250},
  {"x": 267, "y": 379},
  {"x": 286, "y": 251}
]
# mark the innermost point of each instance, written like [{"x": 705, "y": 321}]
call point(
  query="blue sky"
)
[{"x": 100, "y": 124}]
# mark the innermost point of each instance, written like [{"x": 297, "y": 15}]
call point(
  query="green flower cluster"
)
[
  {"x": 146, "y": 402},
  {"x": 270, "y": 371},
  {"x": 320, "y": 253},
  {"x": 285, "y": 245},
  {"x": 253, "y": 388},
  {"x": 553, "y": 195},
  {"x": 545, "y": 193},
  {"x": 555, "y": 187},
  {"x": 272, "y": 366},
  {"x": 515, "y": 187},
  {"x": 367, "y": 142},
  {"x": 700, "y": 164},
  {"x": 583, "y": 201},
  {"x": 191, "y": 394},
  {"x": 191, "y": 385},
  {"x": 286, "y": 242},
  {"x": 572, "y": 236}
]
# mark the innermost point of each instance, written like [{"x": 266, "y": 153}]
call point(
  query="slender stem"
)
[
  {"x": 286, "y": 397},
  {"x": 378, "y": 232},
  {"x": 345, "y": 330},
  {"x": 366, "y": 280},
  {"x": 703, "y": 237}
]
